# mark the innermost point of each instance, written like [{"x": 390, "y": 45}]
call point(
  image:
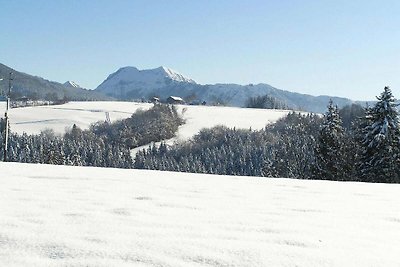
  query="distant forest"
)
[
  {"x": 354, "y": 143},
  {"x": 266, "y": 102}
]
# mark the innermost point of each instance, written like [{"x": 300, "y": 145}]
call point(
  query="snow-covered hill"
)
[
  {"x": 60, "y": 117},
  {"x": 82, "y": 216},
  {"x": 33, "y": 120}
]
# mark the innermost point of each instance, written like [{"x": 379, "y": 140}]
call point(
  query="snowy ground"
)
[
  {"x": 82, "y": 216},
  {"x": 198, "y": 117},
  {"x": 60, "y": 117}
]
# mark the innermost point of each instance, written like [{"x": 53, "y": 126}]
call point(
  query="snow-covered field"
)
[
  {"x": 82, "y": 216},
  {"x": 60, "y": 117}
]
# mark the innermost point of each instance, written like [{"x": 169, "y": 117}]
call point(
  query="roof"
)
[{"x": 176, "y": 98}]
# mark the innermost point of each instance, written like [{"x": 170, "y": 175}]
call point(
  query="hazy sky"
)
[{"x": 344, "y": 48}]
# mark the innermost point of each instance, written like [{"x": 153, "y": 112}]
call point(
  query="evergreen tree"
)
[
  {"x": 329, "y": 150},
  {"x": 350, "y": 115},
  {"x": 380, "y": 144}
]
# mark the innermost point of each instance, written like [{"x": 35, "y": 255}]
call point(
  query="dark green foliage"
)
[
  {"x": 218, "y": 151},
  {"x": 330, "y": 149},
  {"x": 277, "y": 151},
  {"x": 2, "y": 126},
  {"x": 101, "y": 149},
  {"x": 266, "y": 102},
  {"x": 47, "y": 148},
  {"x": 297, "y": 146},
  {"x": 380, "y": 154},
  {"x": 296, "y": 137},
  {"x": 158, "y": 123},
  {"x": 350, "y": 114}
]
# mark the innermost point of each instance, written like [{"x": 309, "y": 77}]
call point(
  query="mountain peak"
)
[
  {"x": 72, "y": 84},
  {"x": 128, "y": 68},
  {"x": 173, "y": 75},
  {"x": 131, "y": 78},
  {"x": 131, "y": 83}
]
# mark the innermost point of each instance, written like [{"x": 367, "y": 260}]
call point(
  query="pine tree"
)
[
  {"x": 329, "y": 150},
  {"x": 380, "y": 144}
]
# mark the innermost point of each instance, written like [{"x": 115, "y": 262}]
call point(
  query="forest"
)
[
  {"x": 103, "y": 145},
  {"x": 363, "y": 146},
  {"x": 354, "y": 143}
]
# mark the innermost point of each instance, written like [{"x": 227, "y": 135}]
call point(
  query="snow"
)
[
  {"x": 82, "y": 216},
  {"x": 176, "y": 98},
  {"x": 131, "y": 77},
  {"x": 60, "y": 117},
  {"x": 199, "y": 117},
  {"x": 72, "y": 84},
  {"x": 132, "y": 83},
  {"x": 32, "y": 120},
  {"x": 174, "y": 75}
]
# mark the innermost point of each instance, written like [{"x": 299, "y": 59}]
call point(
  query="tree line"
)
[
  {"x": 103, "y": 145},
  {"x": 266, "y": 102},
  {"x": 365, "y": 147},
  {"x": 348, "y": 144}
]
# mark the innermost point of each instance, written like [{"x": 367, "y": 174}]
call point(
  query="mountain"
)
[
  {"x": 131, "y": 83},
  {"x": 71, "y": 84},
  {"x": 238, "y": 95},
  {"x": 38, "y": 88}
]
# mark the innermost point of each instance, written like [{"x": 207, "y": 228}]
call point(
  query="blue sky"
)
[{"x": 343, "y": 48}]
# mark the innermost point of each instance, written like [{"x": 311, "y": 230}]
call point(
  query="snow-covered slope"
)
[
  {"x": 199, "y": 117},
  {"x": 72, "y": 84},
  {"x": 81, "y": 216},
  {"x": 60, "y": 117},
  {"x": 130, "y": 79}
]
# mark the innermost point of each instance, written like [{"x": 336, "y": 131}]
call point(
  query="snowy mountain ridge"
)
[
  {"x": 130, "y": 83},
  {"x": 174, "y": 75},
  {"x": 128, "y": 79}
]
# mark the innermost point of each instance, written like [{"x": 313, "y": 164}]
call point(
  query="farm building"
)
[{"x": 175, "y": 100}]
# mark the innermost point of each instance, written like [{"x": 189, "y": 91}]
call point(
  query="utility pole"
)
[
  {"x": 1, "y": 90},
  {"x": 7, "y": 122}
]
